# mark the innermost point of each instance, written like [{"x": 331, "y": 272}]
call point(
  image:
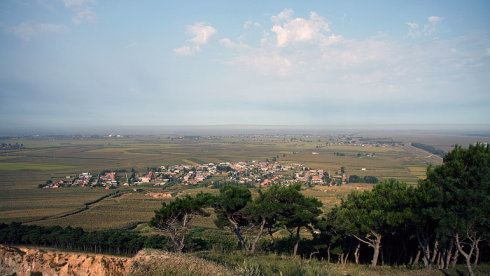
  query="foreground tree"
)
[
  {"x": 174, "y": 218},
  {"x": 369, "y": 215},
  {"x": 245, "y": 217},
  {"x": 229, "y": 207},
  {"x": 275, "y": 207},
  {"x": 464, "y": 182},
  {"x": 297, "y": 211},
  {"x": 428, "y": 212}
]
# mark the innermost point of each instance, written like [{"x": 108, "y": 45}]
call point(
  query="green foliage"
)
[
  {"x": 230, "y": 203},
  {"x": 354, "y": 179},
  {"x": 370, "y": 179},
  {"x": 366, "y": 179},
  {"x": 464, "y": 181},
  {"x": 370, "y": 215},
  {"x": 275, "y": 207},
  {"x": 380, "y": 210},
  {"x": 119, "y": 242},
  {"x": 462, "y": 186},
  {"x": 429, "y": 148},
  {"x": 174, "y": 218}
]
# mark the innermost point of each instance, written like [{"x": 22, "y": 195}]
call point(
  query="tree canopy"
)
[{"x": 174, "y": 218}]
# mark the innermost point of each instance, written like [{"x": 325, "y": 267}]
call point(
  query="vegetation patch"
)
[
  {"x": 32, "y": 166},
  {"x": 418, "y": 171}
]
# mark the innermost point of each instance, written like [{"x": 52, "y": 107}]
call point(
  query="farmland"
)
[{"x": 22, "y": 170}]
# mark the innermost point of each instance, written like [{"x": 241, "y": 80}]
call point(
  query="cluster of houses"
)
[
  {"x": 5, "y": 146},
  {"x": 85, "y": 179},
  {"x": 251, "y": 173},
  {"x": 364, "y": 142}
]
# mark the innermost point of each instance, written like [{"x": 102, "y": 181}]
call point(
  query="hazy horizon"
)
[
  {"x": 89, "y": 64},
  {"x": 237, "y": 129}
]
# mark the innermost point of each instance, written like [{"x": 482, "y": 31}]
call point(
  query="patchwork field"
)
[{"x": 21, "y": 171}]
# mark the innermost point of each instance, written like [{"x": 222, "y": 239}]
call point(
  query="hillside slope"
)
[{"x": 30, "y": 261}]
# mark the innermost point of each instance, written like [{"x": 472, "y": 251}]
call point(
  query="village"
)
[{"x": 250, "y": 174}]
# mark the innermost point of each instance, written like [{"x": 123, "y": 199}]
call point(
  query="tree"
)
[
  {"x": 464, "y": 182},
  {"x": 174, "y": 218},
  {"x": 354, "y": 179},
  {"x": 370, "y": 179},
  {"x": 235, "y": 209},
  {"x": 297, "y": 211},
  {"x": 427, "y": 212},
  {"x": 229, "y": 207},
  {"x": 369, "y": 215}
]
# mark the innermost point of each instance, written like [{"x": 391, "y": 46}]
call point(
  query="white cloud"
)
[
  {"x": 283, "y": 15},
  {"x": 249, "y": 23},
  {"x": 435, "y": 19},
  {"x": 308, "y": 57},
  {"x": 488, "y": 51},
  {"x": 429, "y": 28},
  {"x": 232, "y": 45},
  {"x": 83, "y": 11},
  {"x": 29, "y": 30},
  {"x": 186, "y": 50},
  {"x": 201, "y": 33},
  {"x": 290, "y": 30},
  {"x": 413, "y": 30}
]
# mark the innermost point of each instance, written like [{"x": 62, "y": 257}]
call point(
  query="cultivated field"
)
[{"x": 21, "y": 171}]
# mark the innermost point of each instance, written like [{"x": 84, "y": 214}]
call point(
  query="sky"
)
[{"x": 90, "y": 63}]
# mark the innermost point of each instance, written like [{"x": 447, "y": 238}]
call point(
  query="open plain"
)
[{"x": 43, "y": 158}]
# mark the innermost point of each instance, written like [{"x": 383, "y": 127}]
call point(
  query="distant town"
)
[{"x": 253, "y": 173}]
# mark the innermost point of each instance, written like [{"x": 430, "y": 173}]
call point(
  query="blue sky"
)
[{"x": 84, "y": 63}]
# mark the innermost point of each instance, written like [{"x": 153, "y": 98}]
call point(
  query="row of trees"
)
[
  {"x": 443, "y": 218},
  {"x": 429, "y": 148},
  {"x": 248, "y": 218},
  {"x": 366, "y": 179},
  {"x": 121, "y": 242}
]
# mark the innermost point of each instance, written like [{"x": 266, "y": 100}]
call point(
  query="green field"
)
[
  {"x": 31, "y": 166},
  {"x": 22, "y": 170}
]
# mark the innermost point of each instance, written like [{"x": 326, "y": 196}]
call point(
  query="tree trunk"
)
[
  {"x": 297, "y": 241},
  {"x": 272, "y": 243},
  {"x": 455, "y": 258},
  {"x": 417, "y": 257},
  {"x": 377, "y": 246},
  {"x": 313, "y": 253},
  {"x": 435, "y": 249},
  {"x": 423, "y": 241},
  {"x": 448, "y": 254},
  {"x": 242, "y": 242},
  {"x": 237, "y": 230},
  {"x": 374, "y": 243},
  {"x": 477, "y": 253},
  {"x": 259, "y": 234},
  {"x": 328, "y": 254},
  {"x": 439, "y": 260},
  {"x": 467, "y": 256},
  {"x": 356, "y": 252},
  {"x": 185, "y": 221}
]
